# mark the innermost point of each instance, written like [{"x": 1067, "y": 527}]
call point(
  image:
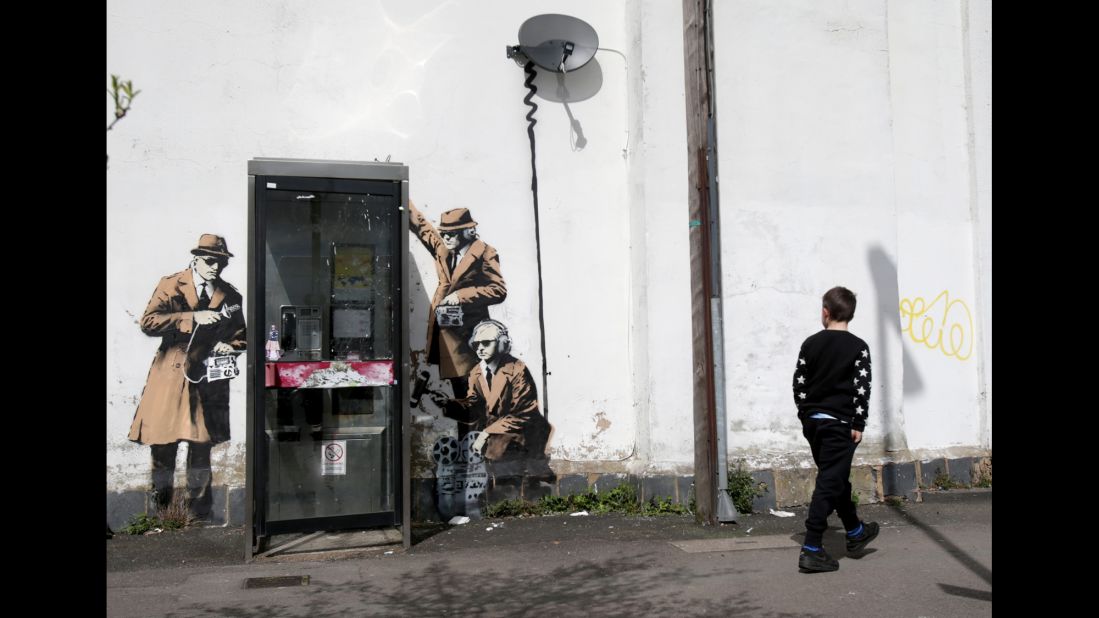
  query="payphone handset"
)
[
  {"x": 301, "y": 329},
  {"x": 289, "y": 329}
]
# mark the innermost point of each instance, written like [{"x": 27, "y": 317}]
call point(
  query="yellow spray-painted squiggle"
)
[{"x": 955, "y": 317}]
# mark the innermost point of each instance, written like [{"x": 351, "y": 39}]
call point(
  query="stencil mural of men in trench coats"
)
[
  {"x": 469, "y": 278},
  {"x": 502, "y": 403},
  {"x": 197, "y": 315}
]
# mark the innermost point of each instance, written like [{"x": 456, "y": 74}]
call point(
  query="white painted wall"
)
[
  {"x": 854, "y": 149},
  {"x": 659, "y": 238},
  {"x": 846, "y": 158},
  {"x": 978, "y": 36},
  {"x": 938, "y": 258},
  {"x": 428, "y": 84}
]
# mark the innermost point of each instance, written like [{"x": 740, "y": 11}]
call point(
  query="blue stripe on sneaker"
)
[
  {"x": 810, "y": 548},
  {"x": 856, "y": 531}
]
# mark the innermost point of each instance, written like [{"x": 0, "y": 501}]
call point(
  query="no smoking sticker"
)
[{"x": 334, "y": 460}]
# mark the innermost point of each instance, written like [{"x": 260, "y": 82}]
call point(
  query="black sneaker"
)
[
  {"x": 856, "y": 544},
  {"x": 816, "y": 561}
]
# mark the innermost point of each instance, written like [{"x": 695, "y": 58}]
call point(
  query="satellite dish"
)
[{"x": 557, "y": 43}]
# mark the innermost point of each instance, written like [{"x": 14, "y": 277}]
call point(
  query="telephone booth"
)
[{"x": 327, "y": 411}]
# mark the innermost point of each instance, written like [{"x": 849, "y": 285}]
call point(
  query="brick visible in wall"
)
[
  {"x": 898, "y": 479},
  {"x": 794, "y": 486},
  {"x": 766, "y": 502},
  {"x": 981, "y": 467},
  {"x": 863, "y": 482}
]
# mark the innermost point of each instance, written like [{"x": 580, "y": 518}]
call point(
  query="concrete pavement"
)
[{"x": 931, "y": 559}]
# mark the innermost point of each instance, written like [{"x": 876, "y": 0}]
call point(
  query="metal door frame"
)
[{"x": 325, "y": 176}]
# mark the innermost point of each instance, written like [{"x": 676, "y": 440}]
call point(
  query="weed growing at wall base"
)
[
  {"x": 141, "y": 523},
  {"x": 621, "y": 499},
  {"x": 512, "y": 508},
  {"x": 663, "y": 506},
  {"x": 743, "y": 489},
  {"x": 943, "y": 481},
  {"x": 174, "y": 516}
]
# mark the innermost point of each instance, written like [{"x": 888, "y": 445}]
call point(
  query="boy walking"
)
[{"x": 832, "y": 393}]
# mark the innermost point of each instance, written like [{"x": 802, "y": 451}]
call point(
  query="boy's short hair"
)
[{"x": 840, "y": 303}]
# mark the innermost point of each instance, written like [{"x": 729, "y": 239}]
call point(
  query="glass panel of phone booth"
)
[{"x": 330, "y": 267}]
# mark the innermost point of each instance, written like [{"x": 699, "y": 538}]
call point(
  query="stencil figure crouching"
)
[{"x": 501, "y": 402}]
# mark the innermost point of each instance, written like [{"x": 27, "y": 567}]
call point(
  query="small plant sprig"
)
[
  {"x": 173, "y": 516},
  {"x": 176, "y": 515},
  {"x": 943, "y": 481},
  {"x": 743, "y": 489},
  {"x": 123, "y": 94},
  {"x": 141, "y": 523}
]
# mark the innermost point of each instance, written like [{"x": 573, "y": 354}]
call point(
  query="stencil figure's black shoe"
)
[
  {"x": 816, "y": 561},
  {"x": 856, "y": 544}
]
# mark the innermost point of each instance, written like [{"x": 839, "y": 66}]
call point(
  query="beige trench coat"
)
[
  {"x": 514, "y": 396},
  {"x": 171, "y": 407},
  {"x": 478, "y": 284}
]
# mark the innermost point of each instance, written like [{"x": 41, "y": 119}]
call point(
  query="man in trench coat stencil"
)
[
  {"x": 469, "y": 278},
  {"x": 197, "y": 315},
  {"x": 502, "y": 403}
]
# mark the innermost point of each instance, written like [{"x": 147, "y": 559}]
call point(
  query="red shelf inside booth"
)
[{"x": 329, "y": 374}]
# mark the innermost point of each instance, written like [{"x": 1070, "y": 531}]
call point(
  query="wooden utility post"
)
[{"x": 697, "y": 67}]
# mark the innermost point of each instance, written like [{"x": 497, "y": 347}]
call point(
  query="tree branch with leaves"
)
[{"x": 123, "y": 94}]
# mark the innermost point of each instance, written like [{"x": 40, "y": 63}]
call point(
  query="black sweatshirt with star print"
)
[{"x": 833, "y": 377}]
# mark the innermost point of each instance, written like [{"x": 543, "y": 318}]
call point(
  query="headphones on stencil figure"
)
[{"x": 503, "y": 341}]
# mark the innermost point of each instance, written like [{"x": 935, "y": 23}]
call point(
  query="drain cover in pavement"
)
[{"x": 276, "y": 582}]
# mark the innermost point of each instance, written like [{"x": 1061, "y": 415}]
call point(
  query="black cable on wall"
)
[{"x": 529, "y": 83}]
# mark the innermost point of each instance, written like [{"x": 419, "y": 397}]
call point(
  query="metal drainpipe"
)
[{"x": 726, "y": 510}]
